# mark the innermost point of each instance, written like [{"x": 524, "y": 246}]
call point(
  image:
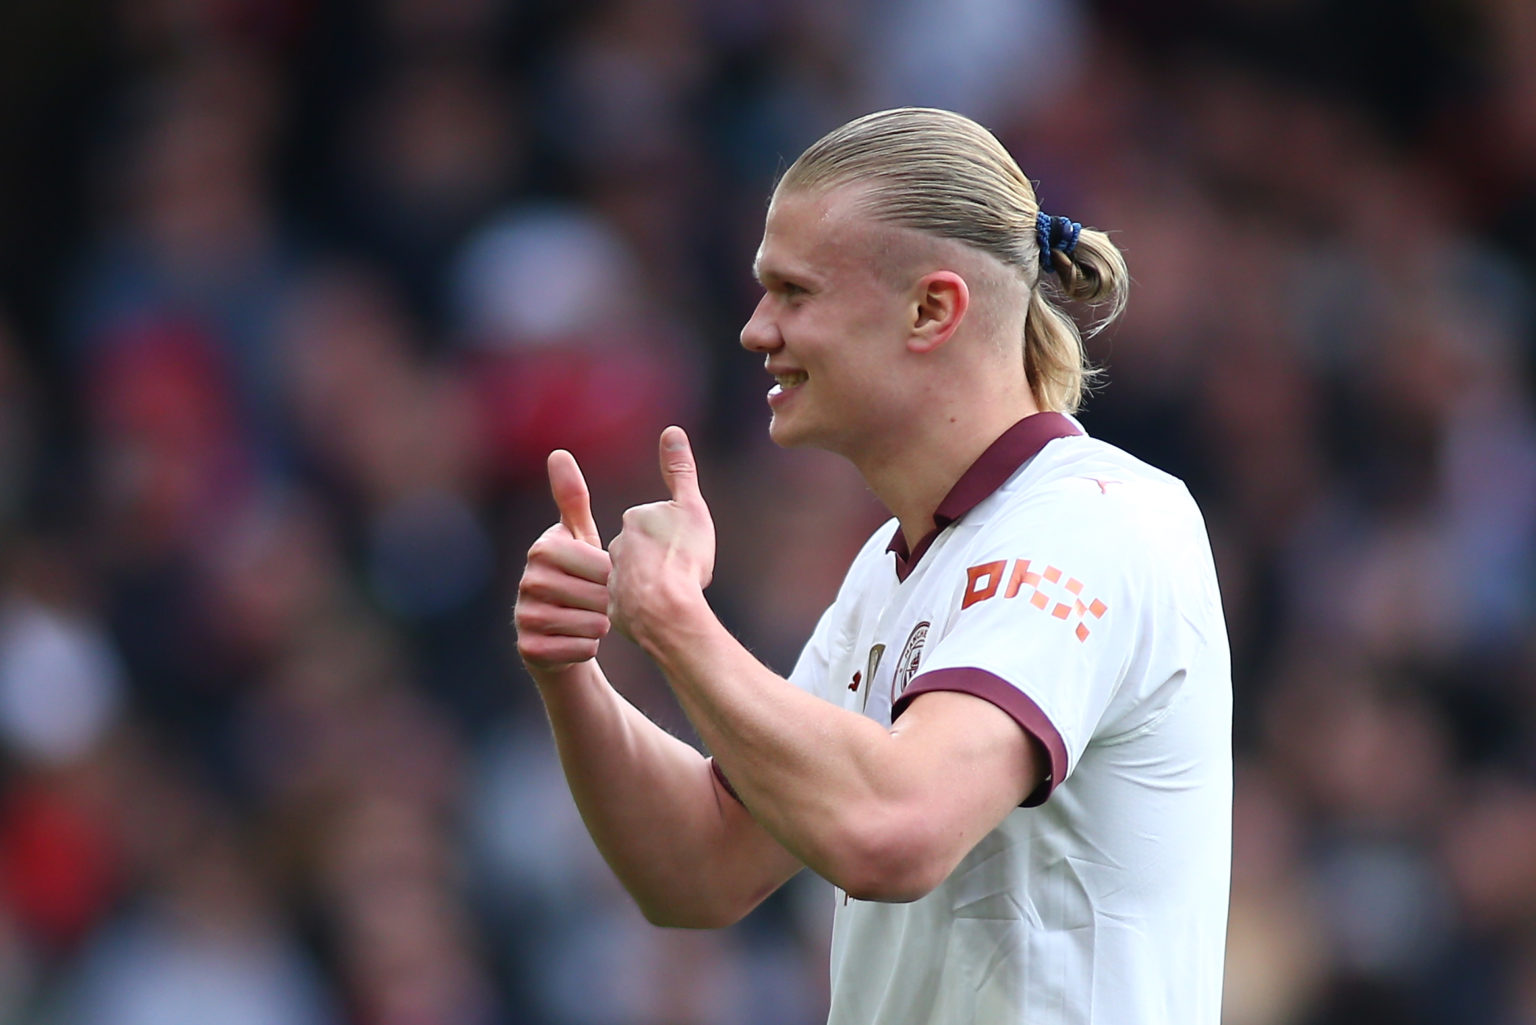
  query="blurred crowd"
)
[{"x": 295, "y": 296}]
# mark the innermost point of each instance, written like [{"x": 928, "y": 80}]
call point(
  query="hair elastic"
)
[{"x": 1053, "y": 233}]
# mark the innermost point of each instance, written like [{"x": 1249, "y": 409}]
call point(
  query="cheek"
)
[{"x": 879, "y": 317}]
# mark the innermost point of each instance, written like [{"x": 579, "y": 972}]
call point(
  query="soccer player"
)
[{"x": 1007, "y": 742}]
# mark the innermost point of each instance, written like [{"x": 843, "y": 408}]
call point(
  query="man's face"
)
[{"x": 831, "y": 323}]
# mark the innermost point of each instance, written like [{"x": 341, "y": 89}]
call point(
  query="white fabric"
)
[{"x": 1106, "y": 904}]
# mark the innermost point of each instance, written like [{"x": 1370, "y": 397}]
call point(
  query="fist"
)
[
  {"x": 667, "y": 549},
  {"x": 562, "y": 599}
]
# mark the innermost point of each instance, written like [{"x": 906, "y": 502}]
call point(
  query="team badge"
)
[{"x": 911, "y": 655}]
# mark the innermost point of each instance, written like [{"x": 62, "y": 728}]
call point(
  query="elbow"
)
[
  {"x": 895, "y": 886},
  {"x": 892, "y": 866}
]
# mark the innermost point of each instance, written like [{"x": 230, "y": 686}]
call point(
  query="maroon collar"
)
[{"x": 1013, "y": 448}]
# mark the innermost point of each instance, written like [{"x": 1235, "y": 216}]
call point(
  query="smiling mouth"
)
[{"x": 793, "y": 379}]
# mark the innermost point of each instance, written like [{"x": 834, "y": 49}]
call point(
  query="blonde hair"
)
[{"x": 942, "y": 173}]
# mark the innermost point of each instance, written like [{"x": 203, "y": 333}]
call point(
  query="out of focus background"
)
[{"x": 295, "y": 295}]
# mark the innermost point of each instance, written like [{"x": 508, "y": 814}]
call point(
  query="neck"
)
[{"x": 912, "y": 476}]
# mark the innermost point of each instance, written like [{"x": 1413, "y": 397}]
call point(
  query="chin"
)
[
  {"x": 785, "y": 436},
  {"x": 782, "y": 435}
]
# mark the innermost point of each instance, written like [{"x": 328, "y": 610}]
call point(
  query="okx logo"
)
[{"x": 1048, "y": 590}]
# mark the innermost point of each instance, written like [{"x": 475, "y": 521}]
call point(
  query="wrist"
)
[
  {"x": 676, "y": 618},
  {"x": 559, "y": 680}
]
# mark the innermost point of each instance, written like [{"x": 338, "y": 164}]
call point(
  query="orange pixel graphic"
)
[{"x": 983, "y": 581}]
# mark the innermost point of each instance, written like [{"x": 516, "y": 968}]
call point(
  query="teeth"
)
[{"x": 791, "y": 380}]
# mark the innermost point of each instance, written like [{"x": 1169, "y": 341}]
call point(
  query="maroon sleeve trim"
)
[
  {"x": 720, "y": 775},
  {"x": 993, "y": 688}
]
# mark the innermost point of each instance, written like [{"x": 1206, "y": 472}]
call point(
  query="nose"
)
[{"x": 760, "y": 334}]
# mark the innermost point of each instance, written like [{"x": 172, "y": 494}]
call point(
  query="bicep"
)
[{"x": 968, "y": 764}]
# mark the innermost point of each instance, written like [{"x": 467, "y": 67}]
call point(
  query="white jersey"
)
[{"x": 1071, "y": 585}]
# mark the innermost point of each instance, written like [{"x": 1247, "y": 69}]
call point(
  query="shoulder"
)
[
  {"x": 1095, "y": 506},
  {"x": 1076, "y": 483}
]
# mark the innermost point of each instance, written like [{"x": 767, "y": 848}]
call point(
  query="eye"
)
[{"x": 790, "y": 290}]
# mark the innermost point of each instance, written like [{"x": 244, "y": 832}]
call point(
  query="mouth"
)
[{"x": 785, "y": 380}]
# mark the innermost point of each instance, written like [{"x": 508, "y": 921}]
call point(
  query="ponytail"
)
[{"x": 1080, "y": 265}]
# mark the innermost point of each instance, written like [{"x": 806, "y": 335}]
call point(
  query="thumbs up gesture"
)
[
  {"x": 666, "y": 551},
  {"x": 562, "y": 599}
]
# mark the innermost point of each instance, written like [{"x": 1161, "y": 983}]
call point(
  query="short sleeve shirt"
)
[{"x": 1072, "y": 586}]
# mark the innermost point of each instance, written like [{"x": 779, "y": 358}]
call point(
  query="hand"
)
[
  {"x": 562, "y": 600},
  {"x": 667, "y": 549}
]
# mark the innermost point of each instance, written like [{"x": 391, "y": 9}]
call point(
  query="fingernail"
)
[{"x": 675, "y": 440}]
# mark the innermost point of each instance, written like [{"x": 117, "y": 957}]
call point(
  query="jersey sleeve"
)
[{"x": 1040, "y": 625}]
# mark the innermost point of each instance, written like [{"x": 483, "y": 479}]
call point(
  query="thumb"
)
[
  {"x": 572, "y": 498},
  {"x": 678, "y": 468}
]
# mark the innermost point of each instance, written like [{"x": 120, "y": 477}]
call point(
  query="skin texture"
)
[{"x": 900, "y": 378}]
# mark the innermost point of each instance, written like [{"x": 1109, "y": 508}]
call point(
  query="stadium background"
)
[{"x": 295, "y": 295}]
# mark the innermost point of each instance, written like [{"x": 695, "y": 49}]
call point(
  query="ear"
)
[{"x": 940, "y": 301}]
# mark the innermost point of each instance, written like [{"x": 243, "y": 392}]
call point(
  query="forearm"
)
[
  {"x": 884, "y": 814},
  {"x": 832, "y": 786},
  {"x": 653, "y": 808}
]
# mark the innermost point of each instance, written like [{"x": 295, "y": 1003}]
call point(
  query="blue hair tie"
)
[{"x": 1053, "y": 233}]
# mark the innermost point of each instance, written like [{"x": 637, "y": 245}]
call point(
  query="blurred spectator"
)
[
  {"x": 194, "y": 254},
  {"x": 564, "y": 348},
  {"x": 428, "y": 156},
  {"x": 992, "y": 60},
  {"x": 203, "y": 947},
  {"x": 328, "y": 281}
]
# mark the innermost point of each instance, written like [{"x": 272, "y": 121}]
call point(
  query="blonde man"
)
[{"x": 1007, "y": 741}]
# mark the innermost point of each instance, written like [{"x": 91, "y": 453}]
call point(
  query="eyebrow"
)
[
  {"x": 759, "y": 272},
  {"x": 773, "y": 275}
]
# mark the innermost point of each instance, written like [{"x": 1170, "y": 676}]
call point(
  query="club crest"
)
[{"x": 911, "y": 655}]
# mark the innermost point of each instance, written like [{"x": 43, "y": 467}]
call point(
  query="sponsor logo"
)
[
  {"x": 869, "y": 671},
  {"x": 1048, "y": 590}
]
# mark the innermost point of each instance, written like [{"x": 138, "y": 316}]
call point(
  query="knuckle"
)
[
  {"x": 550, "y": 544},
  {"x": 533, "y": 587},
  {"x": 639, "y": 513},
  {"x": 536, "y": 619}
]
